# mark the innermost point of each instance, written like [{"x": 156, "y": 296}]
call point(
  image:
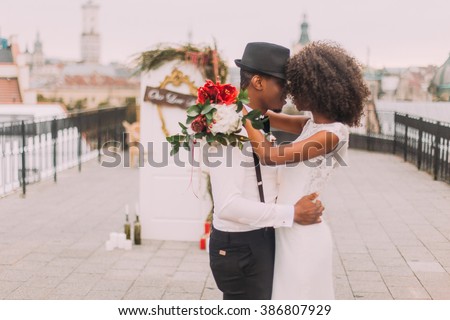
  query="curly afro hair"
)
[{"x": 324, "y": 78}]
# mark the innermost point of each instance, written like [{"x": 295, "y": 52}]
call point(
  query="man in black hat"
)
[{"x": 242, "y": 242}]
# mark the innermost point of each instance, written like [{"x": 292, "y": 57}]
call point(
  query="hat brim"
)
[{"x": 239, "y": 63}]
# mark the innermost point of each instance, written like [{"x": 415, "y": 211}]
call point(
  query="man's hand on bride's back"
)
[{"x": 308, "y": 211}]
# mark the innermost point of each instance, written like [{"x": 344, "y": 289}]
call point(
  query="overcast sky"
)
[{"x": 398, "y": 32}]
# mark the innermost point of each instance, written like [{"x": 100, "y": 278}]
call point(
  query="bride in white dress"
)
[
  {"x": 303, "y": 253},
  {"x": 325, "y": 80}
]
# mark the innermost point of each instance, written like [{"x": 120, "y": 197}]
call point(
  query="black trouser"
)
[{"x": 242, "y": 263}]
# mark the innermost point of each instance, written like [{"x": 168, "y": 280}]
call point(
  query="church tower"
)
[
  {"x": 37, "y": 59},
  {"x": 304, "y": 36},
  {"x": 90, "y": 37}
]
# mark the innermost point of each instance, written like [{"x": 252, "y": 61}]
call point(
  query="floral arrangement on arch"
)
[{"x": 216, "y": 118}]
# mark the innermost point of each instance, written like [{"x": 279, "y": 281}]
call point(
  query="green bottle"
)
[
  {"x": 137, "y": 231},
  {"x": 127, "y": 226}
]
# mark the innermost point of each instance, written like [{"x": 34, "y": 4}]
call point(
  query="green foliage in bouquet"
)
[{"x": 216, "y": 118}]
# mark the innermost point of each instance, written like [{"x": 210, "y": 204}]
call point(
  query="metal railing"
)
[
  {"x": 423, "y": 142},
  {"x": 31, "y": 151}
]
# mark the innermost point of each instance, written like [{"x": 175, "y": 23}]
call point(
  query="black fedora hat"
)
[{"x": 266, "y": 58}]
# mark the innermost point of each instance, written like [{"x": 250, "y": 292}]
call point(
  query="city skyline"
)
[{"x": 396, "y": 34}]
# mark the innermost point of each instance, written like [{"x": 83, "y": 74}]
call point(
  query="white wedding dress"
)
[{"x": 303, "y": 254}]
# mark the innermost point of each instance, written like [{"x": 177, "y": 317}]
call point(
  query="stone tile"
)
[
  {"x": 6, "y": 287},
  {"x": 158, "y": 270},
  {"x": 190, "y": 276},
  {"x": 44, "y": 282},
  {"x": 372, "y": 296},
  {"x": 144, "y": 293},
  {"x": 29, "y": 265},
  {"x": 73, "y": 288},
  {"x": 121, "y": 274},
  {"x": 395, "y": 271},
  {"x": 125, "y": 264},
  {"x": 164, "y": 262},
  {"x": 112, "y": 285},
  {"x": 384, "y": 253},
  {"x": 390, "y": 262},
  {"x": 197, "y": 257},
  {"x": 211, "y": 294},
  {"x": 39, "y": 257},
  {"x": 181, "y": 296},
  {"x": 170, "y": 253},
  {"x": 343, "y": 294},
  {"x": 364, "y": 276},
  {"x": 398, "y": 281},
  {"x": 30, "y": 293},
  {"x": 92, "y": 268},
  {"x": 210, "y": 282},
  {"x": 419, "y": 253},
  {"x": 82, "y": 278},
  {"x": 175, "y": 245},
  {"x": 138, "y": 255},
  {"x": 8, "y": 260},
  {"x": 442, "y": 256},
  {"x": 404, "y": 293},
  {"x": 426, "y": 266},
  {"x": 54, "y": 271},
  {"x": 15, "y": 275},
  {"x": 152, "y": 281},
  {"x": 194, "y": 266},
  {"x": 105, "y": 295},
  {"x": 185, "y": 286},
  {"x": 439, "y": 292},
  {"x": 104, "y": 259},
  {"x": 55, "y": 296},
  {"x": 76, "y": 253},
  {"x": 359, "y": 266},
  {"x": 368, "y": 286}
]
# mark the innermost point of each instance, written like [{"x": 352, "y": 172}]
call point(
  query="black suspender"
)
[
  {"x": 258, "y": 166},
  {"x": 259, "y": 177}
]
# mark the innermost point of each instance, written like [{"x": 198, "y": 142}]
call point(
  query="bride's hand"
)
[{"x": 308, "y": 210}]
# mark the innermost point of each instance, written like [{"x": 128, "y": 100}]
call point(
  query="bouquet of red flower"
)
[{"x": 216, "y": 118}]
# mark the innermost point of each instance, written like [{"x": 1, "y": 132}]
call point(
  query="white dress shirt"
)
[{"x": 237, "y": 206}]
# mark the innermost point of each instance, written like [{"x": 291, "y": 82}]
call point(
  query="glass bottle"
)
[
  {"x": 137, "y": 231},
  {"x": 127, "y": 225}
]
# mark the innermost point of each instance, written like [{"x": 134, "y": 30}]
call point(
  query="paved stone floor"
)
[{"x": 390, "y": 222}]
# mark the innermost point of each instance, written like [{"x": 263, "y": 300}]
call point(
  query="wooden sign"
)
[{"x": 166, "y": 97}]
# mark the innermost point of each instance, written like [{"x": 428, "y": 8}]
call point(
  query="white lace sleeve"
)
[{"x": 322, "y": 167}]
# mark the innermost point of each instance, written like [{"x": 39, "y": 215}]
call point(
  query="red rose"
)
[
  {"x": 198, "y": 124},
  {"x": 209, "y": 91},
  {"x": 228, "y": 94}
]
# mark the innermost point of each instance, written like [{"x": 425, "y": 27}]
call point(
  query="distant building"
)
[
  {"x": 373, "y": 79},
  {"x": 9, "y": 75},
  {"x": 37, "y": 58},
  {"x": 91, "y": 91},
  {"x": 413, "y": 84},
  {"x": 304, "y": 36},
  {"x": 84, "y": 84},
  {"x": 90, "y": 37},
  {"x": 400, "y": 84},
  {"x": 440, "y": 84},
  {"x": 14, "y": 74}
]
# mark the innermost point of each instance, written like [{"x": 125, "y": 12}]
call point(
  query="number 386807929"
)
[{"x": 295, "y": 310}]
